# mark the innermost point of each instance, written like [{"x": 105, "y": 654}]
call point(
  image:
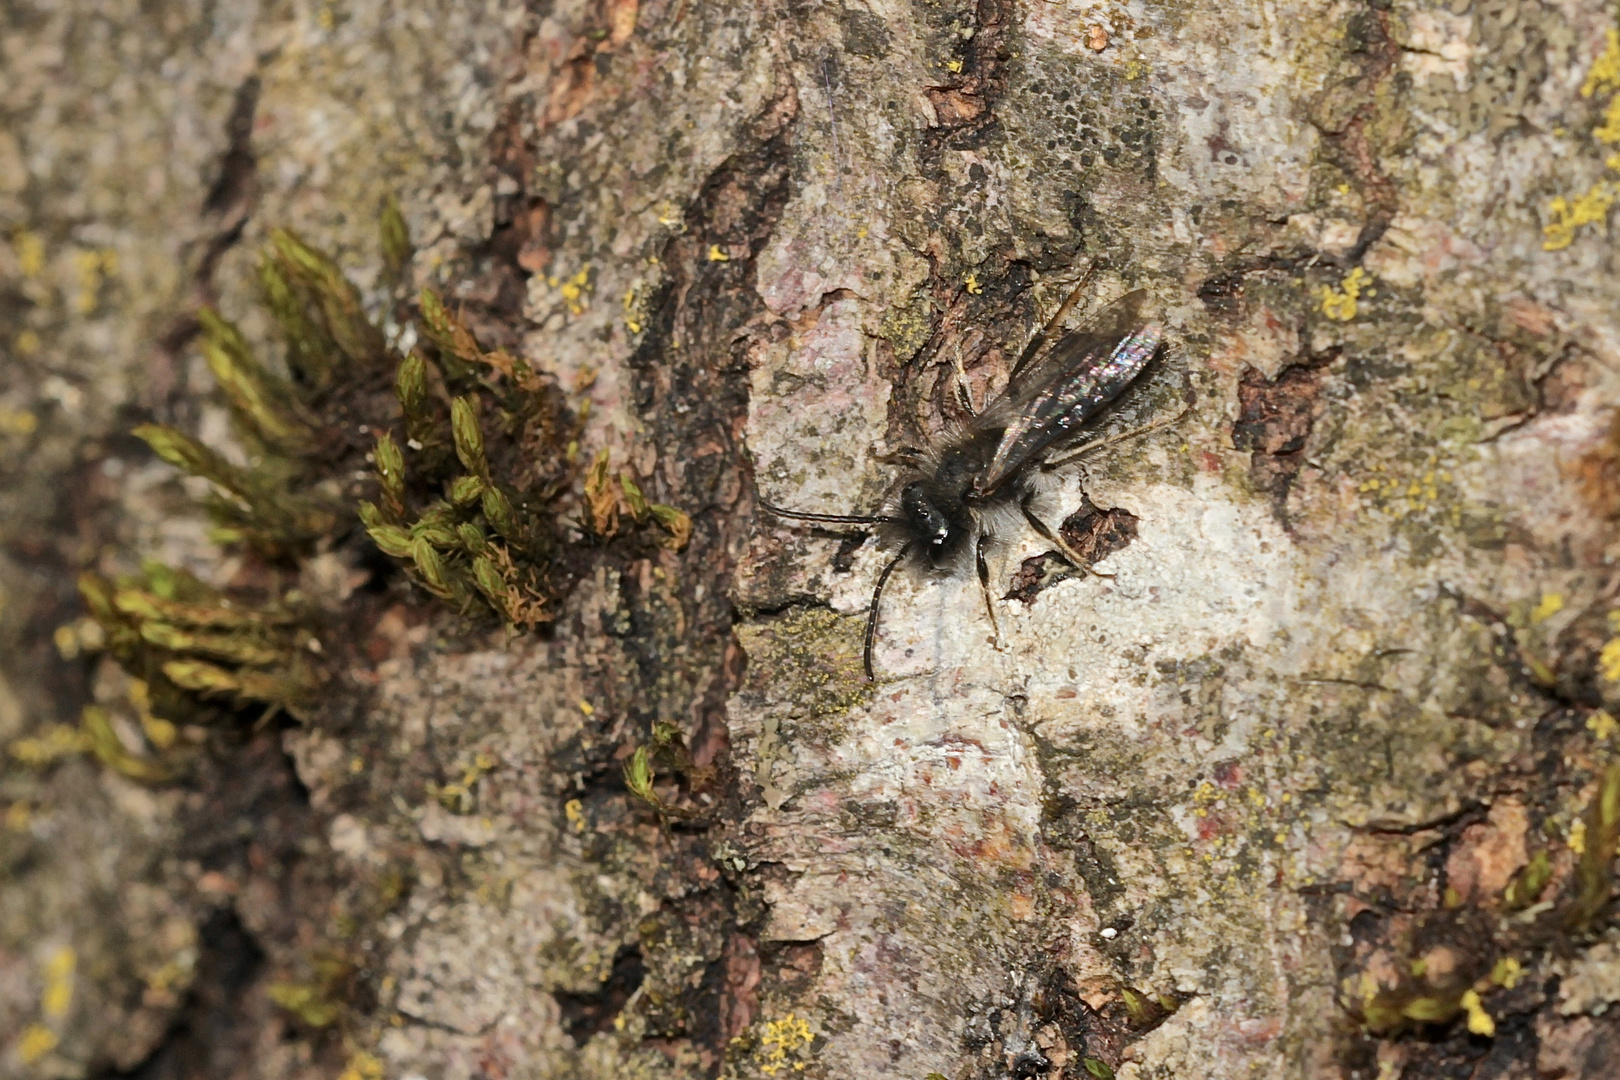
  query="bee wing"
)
[{"x": 1055, "y": 394}]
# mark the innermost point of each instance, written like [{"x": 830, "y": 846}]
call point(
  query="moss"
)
[
  {"x": 472, "y": 466},
  {"x": 463, "y": 496},
  {"x": 1594, "y": 872},
  {"x": 185, "y": 639}
]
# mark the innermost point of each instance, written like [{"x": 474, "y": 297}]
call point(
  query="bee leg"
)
[
  {"x": 1039, "y": 341},
  {"x": 1108, "y": 440},
  {"x": 962, "y": 390},
  {"x": 1071, "y": 556},
  {"x": 984, "y": 588}
]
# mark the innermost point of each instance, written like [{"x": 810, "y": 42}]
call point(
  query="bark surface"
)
[{"x": 1308, "y": 781}]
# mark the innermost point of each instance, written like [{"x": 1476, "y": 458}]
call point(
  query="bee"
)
[{"x": 951, "y": 497}]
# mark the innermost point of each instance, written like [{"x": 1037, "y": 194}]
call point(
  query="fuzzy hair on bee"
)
[{"x": 955, "y": 497}]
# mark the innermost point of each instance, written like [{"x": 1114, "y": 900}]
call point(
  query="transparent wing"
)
[{"x": 1054, "y": 395}]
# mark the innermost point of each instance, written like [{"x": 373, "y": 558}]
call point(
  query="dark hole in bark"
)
[
  {"x": 844, "y": 558},
  {"x": 1274, "y": 421},
  {"x": 1093, "y": 533},
  {"x": 1031, "y": 1063},
  {"x": 1222, "y": 294},
  {"x": 583, "y": 1015},
  {"x": 215, "y": 1034}
]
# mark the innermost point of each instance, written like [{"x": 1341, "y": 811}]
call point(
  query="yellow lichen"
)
[
  {"x": 1418, "y": 494},
  {"x": 57, "y": 997},
  {"x": 1609, "y": 132},
  {"x": 1577, "y": 838},
  {"x": 18, "y": 816},
  {"x": 1589, "y": 208},
  {"x": 37, "y": 1041},
  {"x": 92, "y": 268},
  {"x": 1550, "y": 605},
  {"x": 458, "y": 797},
  {"x": 718, "y": 254},
  {"x": 1340, "y": 304},
  {"x": 362, "y": 1066},
  {"x": 971, "y": 283},
  {"x": 30, "y": 252},
  {"x": 780, "y": 1042},
  {"x": 1479, "y": 1021},
  {"x": 1601, "y": 724},
  {"x": 1506, "y": 972},
  {"x": 575, "y": 290},
  {"x": 1604, "y": 77},
  {"x": 66, "y": 641},
  {"x": 1609, "y": 660},
  {"x": 632, "y": 321},
  {"x": 1567, "y": 215},
  {"x": 18, "y": 421}
]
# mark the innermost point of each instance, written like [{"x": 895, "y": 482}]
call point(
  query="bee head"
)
[{"x": 930, "y": 526}]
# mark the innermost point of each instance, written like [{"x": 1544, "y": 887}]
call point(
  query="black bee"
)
[{"x": 943, "y": 504}]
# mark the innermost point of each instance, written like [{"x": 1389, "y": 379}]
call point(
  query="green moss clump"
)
[{"x": 471, "y": 452}]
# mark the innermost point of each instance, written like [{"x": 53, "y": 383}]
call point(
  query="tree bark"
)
[{"x": 1307, "y": 780}]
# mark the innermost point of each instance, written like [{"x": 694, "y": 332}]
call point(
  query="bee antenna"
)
[
  {"x": 835, "y": 519},
  {"x": 872, "y": 613}
]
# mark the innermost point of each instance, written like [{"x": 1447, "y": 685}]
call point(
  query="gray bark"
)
[{"x": 1342, "y": 681}]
